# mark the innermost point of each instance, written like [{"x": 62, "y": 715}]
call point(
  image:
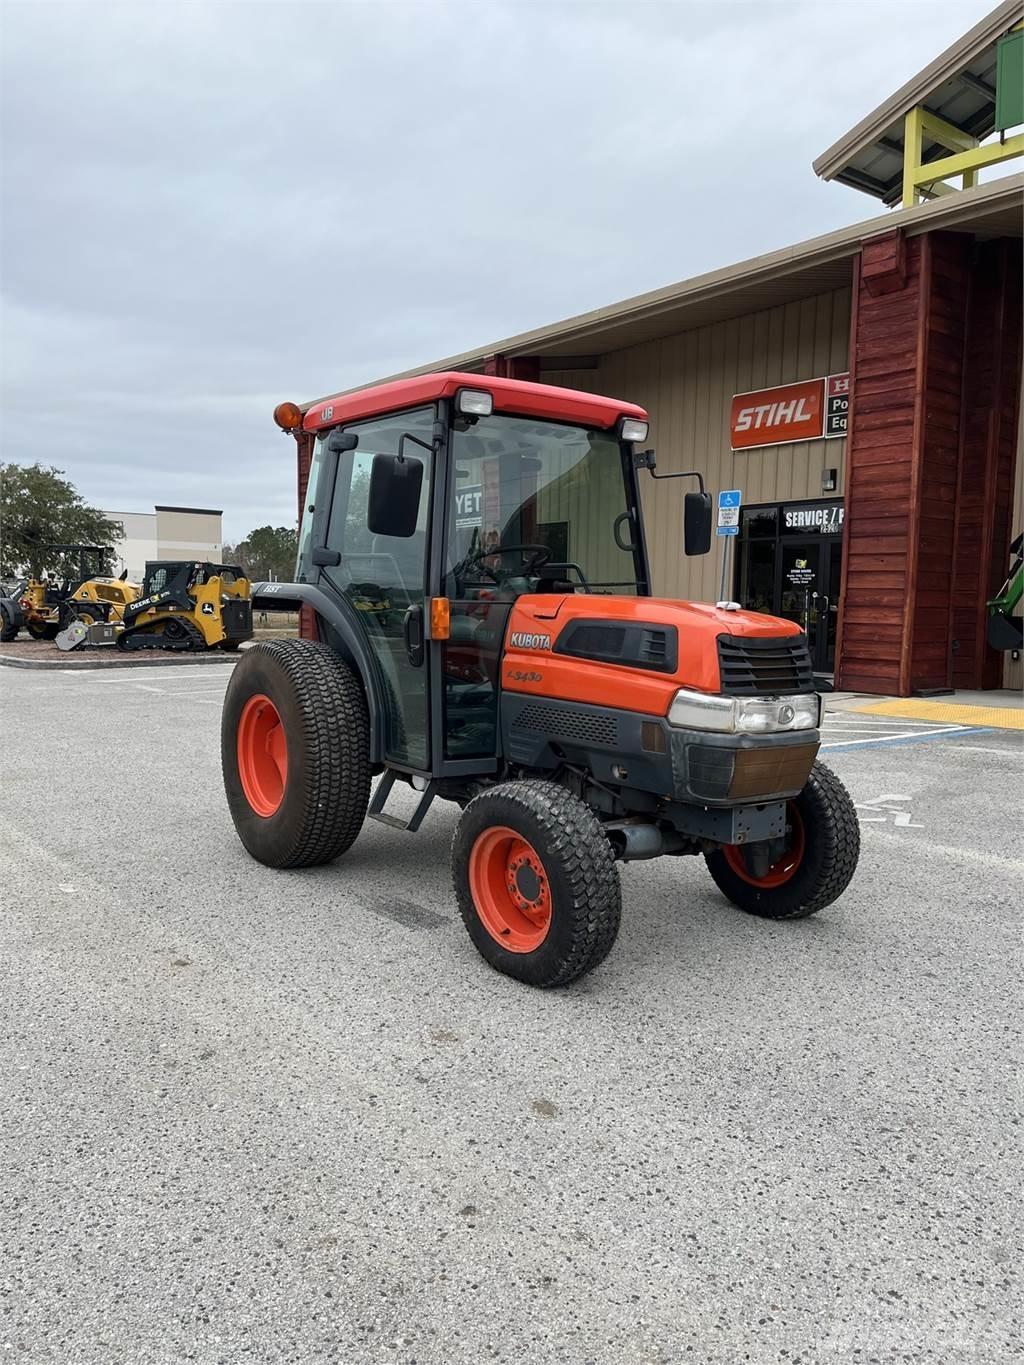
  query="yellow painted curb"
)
[{"x": 999, "y": 717}]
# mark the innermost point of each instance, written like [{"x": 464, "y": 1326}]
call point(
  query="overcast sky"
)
[{"x": 207, "y": 208}]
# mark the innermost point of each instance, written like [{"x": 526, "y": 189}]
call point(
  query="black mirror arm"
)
[{"x": 423, "y": 445}]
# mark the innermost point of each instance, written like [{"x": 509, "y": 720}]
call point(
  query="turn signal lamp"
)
[
  {"x": 440, "y": 618},
  {"x": 632, "y": 429},
  {"x": 288, "y": 416},
  {"x": 475, "y": 402}
]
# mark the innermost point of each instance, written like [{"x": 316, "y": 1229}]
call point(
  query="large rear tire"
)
[
  {"x": 536, "y": 882},
  {"x": 814, "y": 868},
  {"x": 9, "y": 624},
  {"x": 294, "y": 750}
]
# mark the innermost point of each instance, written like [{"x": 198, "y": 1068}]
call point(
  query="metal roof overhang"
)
[
  {"x": 959, "y": 86},
  {"x": 797, "y": 272}
]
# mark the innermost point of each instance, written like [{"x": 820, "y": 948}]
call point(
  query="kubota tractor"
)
[{"x": 523, "y": 670}]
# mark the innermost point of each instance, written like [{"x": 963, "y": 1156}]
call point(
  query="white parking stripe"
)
[{"x": 874, "y": 739}]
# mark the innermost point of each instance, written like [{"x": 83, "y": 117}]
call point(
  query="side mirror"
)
[
  {"x": 697, "y": 523},
  {"x": 339, "y": 441},
  {"x": 394, "y": 499}
]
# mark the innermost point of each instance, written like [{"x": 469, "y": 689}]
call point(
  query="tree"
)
[
  {"x": 39, "y": 507},
  {"x": 267, "y": 553}
]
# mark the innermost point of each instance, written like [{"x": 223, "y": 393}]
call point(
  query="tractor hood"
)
[{"x": 633, "y": 653}]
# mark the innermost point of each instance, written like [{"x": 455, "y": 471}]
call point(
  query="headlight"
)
[{"x": 744, "y": 715}]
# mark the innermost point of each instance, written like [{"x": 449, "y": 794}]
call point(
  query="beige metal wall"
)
[
  {"x": 686, "y": 382},
  {"x": 189, "y": 535}
]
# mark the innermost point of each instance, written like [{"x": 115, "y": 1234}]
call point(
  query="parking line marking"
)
[{"x": 907, "y": 739}]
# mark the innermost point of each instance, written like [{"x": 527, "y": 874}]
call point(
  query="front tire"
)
[
  {"x": 815, "y": 867},
  {"x": 536, "y": 882},
  {"x": 294, "y": 751}
]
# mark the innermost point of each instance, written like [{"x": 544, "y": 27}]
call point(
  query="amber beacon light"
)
[{"x": 288, "y": 416}]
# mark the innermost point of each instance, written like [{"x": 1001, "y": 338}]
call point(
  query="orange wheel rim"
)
[
  {"x": 510, "y": 889},
  {"x": 262, "y": 755},
  {"x": 782, "y": 870}
]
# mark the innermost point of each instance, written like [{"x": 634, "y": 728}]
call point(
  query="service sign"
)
[{"x": 807, "y": 411}]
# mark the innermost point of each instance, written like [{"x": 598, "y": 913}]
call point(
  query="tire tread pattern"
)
[
  {"x": 572, "y": 841},
  {"x": 336, "y": 729}
]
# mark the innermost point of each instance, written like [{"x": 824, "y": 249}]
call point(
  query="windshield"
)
[{"x": 534, "y": 508}]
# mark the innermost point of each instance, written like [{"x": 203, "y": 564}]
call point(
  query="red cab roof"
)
[{"x": 510, "y": 395}]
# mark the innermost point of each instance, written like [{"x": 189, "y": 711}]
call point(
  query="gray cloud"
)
[{"x": 207, "y": 208}]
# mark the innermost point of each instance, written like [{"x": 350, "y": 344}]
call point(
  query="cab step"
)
[{"x": 380, "y": 797}]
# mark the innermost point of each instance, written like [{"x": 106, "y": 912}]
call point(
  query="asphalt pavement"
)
[{"x": 286, "y": 1117}]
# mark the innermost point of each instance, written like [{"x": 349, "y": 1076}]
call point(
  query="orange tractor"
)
[{"x": 516, "y": 663}]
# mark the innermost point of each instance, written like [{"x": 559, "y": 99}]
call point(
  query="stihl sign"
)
[{"x": 807, "y": 411}]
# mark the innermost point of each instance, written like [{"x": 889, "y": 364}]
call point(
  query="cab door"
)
[{"x": 384, "y": 579}]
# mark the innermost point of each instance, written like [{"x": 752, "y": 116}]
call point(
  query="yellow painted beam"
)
[
  {"x": 974, "y": 160},
  {"x": 945, "y": 133},
  {"x": 912, "y": 131}
]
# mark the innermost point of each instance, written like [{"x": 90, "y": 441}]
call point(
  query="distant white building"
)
[{"x": 167, "y": 533}]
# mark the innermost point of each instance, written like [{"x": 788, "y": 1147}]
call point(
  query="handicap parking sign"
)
[{"x": 729, "y": 500}]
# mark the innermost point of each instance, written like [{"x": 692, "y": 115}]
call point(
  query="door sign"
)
[
  {"x": 801, "y": 574},
  {"x": 729, "y": 501}
]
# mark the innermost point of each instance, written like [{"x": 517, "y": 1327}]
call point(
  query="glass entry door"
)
[{"x": 807, "y": 594}]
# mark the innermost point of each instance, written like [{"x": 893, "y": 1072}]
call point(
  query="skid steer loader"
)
[
  {"x": 188, "y": 605},
  {"x": 524, "y": 671}
]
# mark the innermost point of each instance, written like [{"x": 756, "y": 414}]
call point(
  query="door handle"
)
[{"x": 412, "y": 630}]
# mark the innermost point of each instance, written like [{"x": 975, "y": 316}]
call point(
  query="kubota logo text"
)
[{"x": 520, "y": 640}]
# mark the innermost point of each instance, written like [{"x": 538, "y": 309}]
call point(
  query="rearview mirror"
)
[
  {"x": 394, "y": 499},
  {"x": 339, "y": 441},
  {"x": 697, "y": 523}
]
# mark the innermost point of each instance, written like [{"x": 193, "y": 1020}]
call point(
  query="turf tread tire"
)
[
  {"x": 323, "y": 710},
  {"x": 832, "y": 835},
  {"x": 581, "y": 870}
]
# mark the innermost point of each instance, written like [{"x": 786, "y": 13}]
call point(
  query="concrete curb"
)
[{"x": 69, "y": 661}]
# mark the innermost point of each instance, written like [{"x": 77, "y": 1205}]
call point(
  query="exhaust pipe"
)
[{"x": 633, "y": 840}]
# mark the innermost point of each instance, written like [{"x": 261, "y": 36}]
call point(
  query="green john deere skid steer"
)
[{"x": 1004, "y": 618}]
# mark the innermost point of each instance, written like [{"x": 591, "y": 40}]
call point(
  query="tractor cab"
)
[
  {"x": 430, "y": 522},
  {"x": 474, "y": 584}
]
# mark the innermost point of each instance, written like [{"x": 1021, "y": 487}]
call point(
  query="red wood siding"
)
[
  {"x": 935, "y": 359},
  {"x": 885, "y": 348},
  {"x": 927, "y": 644},
  {"x": 991, "y": 394}
]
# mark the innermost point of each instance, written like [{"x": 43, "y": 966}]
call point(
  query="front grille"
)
[
  {"x": 590, "y": 727},
  {"x": 753, "y": 667}
]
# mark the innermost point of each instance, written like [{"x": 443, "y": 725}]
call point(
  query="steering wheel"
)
[{"x": 539, "y": 557}]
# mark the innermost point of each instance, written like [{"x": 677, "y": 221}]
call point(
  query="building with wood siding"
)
[{"x": 884, "y": 535}]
